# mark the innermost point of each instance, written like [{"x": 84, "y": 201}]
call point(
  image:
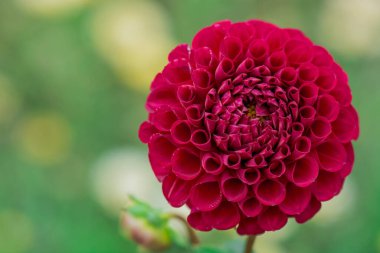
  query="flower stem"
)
[
  {"x": 193, "y": 238},
  {"x": 249, "y": 244}
]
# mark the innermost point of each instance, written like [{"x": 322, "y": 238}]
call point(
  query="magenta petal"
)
[
  {"x": 308, "y": 93},
  {"x": 302, "y": 146},
  {"x": 232, "y": 161},
  {"x": 258, "y": 50},
  {"x": 146, "y": 131},
  {"x": 179, "y": 52},
  {"x": 331, "y": 155},
  {"x": 276, "y": 61},
  {"x": 163, "y": 119},
  {"x": 307, "y": 73},
  {"x": 320, "y": 129},
  {"x": 328, "y": 107},
  {"x": 210, "y": 37},
  {"x": 307, "y": 114},
  {"x": 270, "y": 192},
  {"x": 249, "y": 176},
  {"x": 276, "y": 169},
  {"x": 212, "y": 163},
  {"x": 250, "y": 207},
  {"x": 186, "y": 95},
  {"x": 225, "y": 69},
  {"x": 296, "y": 200},
  {"x": 205, "y": 194},
  {"x": 313, "y": 207},
  {"x": 304, "y": 172},
  {"x": 272, "y": 219},
  {"x": 186, "y": 164},
  {"x": 181, "y": 132},
  {"x": 326, "y": 80},
  {"x": 249, "y": 226},
  {"x": 195, "y": 114},
  {"x": 327, "y": 186},
  {"x": 162, "y": 96},
  {"x": 288, "y": 75},
  {"x": 202, "y": 79},
  {"x": 347, "y": 168},
  {"x": 201, "y": 139},
  {"x": 225, "y": 216},
  {"x": 346, "y": 126},
  {"x": 176, "y": 190},
  {"x": 198, "y": 221},
  {"x": 160, "y": 153},
  {"x": 233, "y": 188},
  {"x": 177, "y": 72},
  {"x": 232, "y": 48}
]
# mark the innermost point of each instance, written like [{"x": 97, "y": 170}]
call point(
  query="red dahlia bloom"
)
[{"x": 249, "y": 126}]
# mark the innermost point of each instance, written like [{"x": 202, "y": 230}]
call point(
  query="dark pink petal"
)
[
  {"x": 262, "y": 28},
  {"x": 346, "y": 126},
  {"x": 186, "y": 95},
  {"x": 296, "y": 201},
  {"x": 307, "y": 114},
  {"x": 176, "y": 190},
  {"x": 313, "y": 207},
  {"x": 294, "y": 94},
  {"x": 307, "y": 73},
  {"x": 160, "y": 154},
  {"x": 304, "y": 172},
  {"x": 201, "y": 139},
  {"x": 320, "y": 129},
  {"x": 276, "y": 169},
  {"x": 298, "y": 52},
  {"x": 308, "y": 93},
  {"x": 198, "y": 221},
  {"x": 162, "y": 96},
  {"x": 276, "y": 39},
  {"x": 272, "y": 219},
  {"x": 282, "y": 152},
  {"x": 212, "y": 163},
  {"x": 326, "y": 80},
  {"x": 224, "y": 70},
  {"x": 328, "y": 107},
  {"x": 258, "y": 50},
  {"x": 231, "y": 48},
  {"x": 347, "y": 168},
  {"x": 181, "y": 132},
  {"x": 321, "y": 57},
  {"x": 245, "y": 66},
  {"x": 203, "y": 57},
  {"x": 249, "y": 226},
  {"x": 233, "y": 188},
  {"x": 241, "y": 30},
  {"x": 249, "y": 176},
  {"x": 202, "y": 79},
  {"x": 258, "y": 161},
  {"x": 205, "y": 194},
  {"x": 232, "y": 161},
  {"x": 210, "y": 37},
  {"x": 327, "y": 185},
  {"x": 163, "y": 119},
  {"x": 276, "y": 61},
  {"x": 250, "y": 207},
  {"x": 302, "y": 146},
  {"x": 288, "y": 75},
  {"x": 195, "y": 114},
  {"x": 225, "y": 216},
  {"x": 158, "y": 81},
  {"x": 270, "y": 192},
  {"x": 297, "y": 130},
  {"x": 146, "y": 131},
  {"x": 186, "y": 164},
  {"x": 179, "y": 52},
  {"x": 177, "y": 72},
  {"x": 211, "y": 121},
  {"x": 341, "y": 92},
  {"x": 331, "y": 155}
]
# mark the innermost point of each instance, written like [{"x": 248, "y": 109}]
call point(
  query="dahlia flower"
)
[{"x": 249, "y": 126}]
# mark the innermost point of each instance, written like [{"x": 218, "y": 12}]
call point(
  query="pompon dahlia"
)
[{"x": 250, "y": 126}]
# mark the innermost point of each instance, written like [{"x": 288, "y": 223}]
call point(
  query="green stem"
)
[
  {"x": 193, "y": 238},
  {"x": 249, "y": 244}
]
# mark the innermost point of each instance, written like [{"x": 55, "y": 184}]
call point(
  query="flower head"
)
[{"x": 249, "y": 126}]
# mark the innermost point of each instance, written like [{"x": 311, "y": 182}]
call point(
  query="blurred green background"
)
[{"x": 74, "y": 75}]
